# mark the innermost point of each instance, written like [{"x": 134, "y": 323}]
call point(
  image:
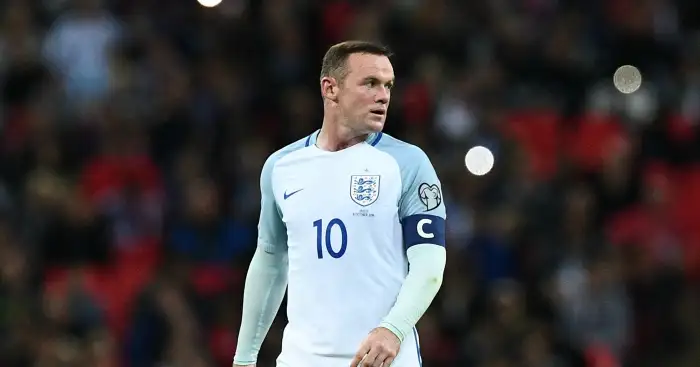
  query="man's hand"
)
[{"x": 377, "y": 350}]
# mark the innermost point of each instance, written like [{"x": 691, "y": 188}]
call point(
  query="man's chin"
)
[{"x": 374, "y": 126}]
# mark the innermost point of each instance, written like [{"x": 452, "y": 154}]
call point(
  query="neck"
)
[{"x": 335, "y": 136}]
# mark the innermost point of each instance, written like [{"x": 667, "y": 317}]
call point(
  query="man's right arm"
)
[{"x": 266, "y": 281}]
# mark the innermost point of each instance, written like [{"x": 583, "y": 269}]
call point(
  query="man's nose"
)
[{"x": 383, "y": 95}]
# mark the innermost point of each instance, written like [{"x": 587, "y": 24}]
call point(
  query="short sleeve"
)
[
  {"x": 421, "y": 207},
  {"x": 272, "y": 233},
  {"x": 422, "y": 191}
]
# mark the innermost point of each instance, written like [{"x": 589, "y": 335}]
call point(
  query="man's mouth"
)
[{"x": 378, "y": 112}]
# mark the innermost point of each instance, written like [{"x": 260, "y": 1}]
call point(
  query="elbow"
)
[
  {"x": 433, "y": 282},
  {"x": 437, "y": 270}
]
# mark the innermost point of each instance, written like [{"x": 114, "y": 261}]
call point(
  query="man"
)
[{"x": 352, "y": 222}]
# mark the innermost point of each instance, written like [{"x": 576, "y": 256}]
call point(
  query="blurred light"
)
[
  {"x": 209, "y": 3},
  {"x": 627, "y": 79},
  {"x": 479, "y": 160}
]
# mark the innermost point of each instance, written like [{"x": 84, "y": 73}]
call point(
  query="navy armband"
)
[{"x": 423, "y": 229}]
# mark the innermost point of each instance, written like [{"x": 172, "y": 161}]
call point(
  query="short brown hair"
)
[{"x": 335, "y": 60}]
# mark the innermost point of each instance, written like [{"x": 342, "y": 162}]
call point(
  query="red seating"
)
[
  {"x": 416, "y": 104},
  {"x": 687, "y": 198},
  {"x": 537, "y": 132},
  {"x": 680, "y": 129},
  {"x": 593, "y": 139},
  {"x": 134, "y": 267}
]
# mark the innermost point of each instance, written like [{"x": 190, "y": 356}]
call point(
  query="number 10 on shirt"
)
[{"x": 329, "y": 228}]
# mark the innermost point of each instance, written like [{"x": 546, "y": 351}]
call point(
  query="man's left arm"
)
[{"x": 423, "y": 215}]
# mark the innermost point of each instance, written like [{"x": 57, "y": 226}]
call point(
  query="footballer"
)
[{"x": 352, "y": 227}]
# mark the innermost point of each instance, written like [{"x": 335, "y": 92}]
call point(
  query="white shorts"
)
[{"x": 293, "y": 356}]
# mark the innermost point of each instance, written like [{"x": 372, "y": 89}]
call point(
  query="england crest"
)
[{"x": 364, "y": 189}]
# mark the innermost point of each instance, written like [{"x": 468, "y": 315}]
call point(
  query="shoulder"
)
[
  {"x": 408, "y": 156},
  {"x": 275, "y": 157}
]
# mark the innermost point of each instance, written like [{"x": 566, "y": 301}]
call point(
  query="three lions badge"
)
[{"x": 364, "y": 189}]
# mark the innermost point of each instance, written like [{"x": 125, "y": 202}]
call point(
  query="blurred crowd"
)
[{"x": 133, "y": 133}]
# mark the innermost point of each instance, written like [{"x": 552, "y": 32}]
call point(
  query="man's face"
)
[{"x": 364, "y": 94}]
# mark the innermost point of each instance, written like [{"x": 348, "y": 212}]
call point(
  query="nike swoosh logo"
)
[{"x": 286, "y": 196}]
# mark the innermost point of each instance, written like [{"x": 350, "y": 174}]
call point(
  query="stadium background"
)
[{"x": 133, "y": 135}]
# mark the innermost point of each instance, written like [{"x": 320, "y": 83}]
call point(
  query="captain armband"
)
[{"x": 421, "y": 229}]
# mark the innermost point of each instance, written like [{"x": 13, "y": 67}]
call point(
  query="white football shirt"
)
[{"x": 345, "y": 219}]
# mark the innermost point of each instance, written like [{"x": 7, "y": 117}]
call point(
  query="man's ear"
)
[{"x": 329, "y": 88}]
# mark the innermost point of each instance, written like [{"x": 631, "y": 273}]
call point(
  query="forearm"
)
[
  {"x": 265, "y": 285},
  {"x": 426, "y": 267}
]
